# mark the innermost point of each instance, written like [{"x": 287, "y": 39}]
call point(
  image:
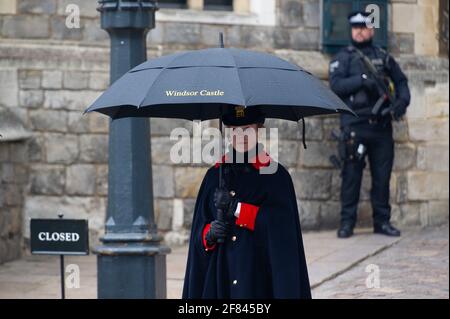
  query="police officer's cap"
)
[
  {"x": 240, "y": 115},
  {"x": 359, "y": 18}
]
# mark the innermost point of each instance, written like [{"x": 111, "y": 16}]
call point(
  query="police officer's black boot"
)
[
  {"x": 386, "y": 229},
  {"x": 345, "y": 231}
]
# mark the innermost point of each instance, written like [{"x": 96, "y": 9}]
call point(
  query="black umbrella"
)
[
  {"x": 201, "y": 84},
  {"x": 197, "y": 85}
]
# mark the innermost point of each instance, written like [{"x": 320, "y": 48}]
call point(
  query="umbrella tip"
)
[{"x": 221, "y": 40}]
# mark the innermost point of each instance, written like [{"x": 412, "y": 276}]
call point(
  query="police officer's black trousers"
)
[{"x": 380, "y": 152}]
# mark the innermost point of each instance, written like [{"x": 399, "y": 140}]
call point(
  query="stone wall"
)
[
  {"x": 279, "y": 24},
  {"x": 13, "y": 178},
  {"x": 49, "y": 75},
  {"x": 13, "y": 182}
]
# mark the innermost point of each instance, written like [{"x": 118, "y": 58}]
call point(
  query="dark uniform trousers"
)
[{"x": 380, "y": 153}]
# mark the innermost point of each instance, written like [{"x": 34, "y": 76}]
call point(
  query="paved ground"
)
[{"x": 415, "y": 265}]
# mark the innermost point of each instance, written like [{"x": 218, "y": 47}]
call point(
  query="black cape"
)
[{"x": 268, "y": 262}]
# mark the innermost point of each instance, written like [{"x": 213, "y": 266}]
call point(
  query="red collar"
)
[{"x": 258, "y": 161}]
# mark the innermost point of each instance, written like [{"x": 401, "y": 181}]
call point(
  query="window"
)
[
  {"x": 180, "y": 4},
  {"x": 227, "y": 12},
  {"x": 222, "y": 5},
  {"x": 335, "y": 27}
]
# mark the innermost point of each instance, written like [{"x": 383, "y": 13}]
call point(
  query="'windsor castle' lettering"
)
[{"x": 195, "y": 93}]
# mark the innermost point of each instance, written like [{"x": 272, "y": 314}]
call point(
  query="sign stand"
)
[{"x": 61, "y": 259}]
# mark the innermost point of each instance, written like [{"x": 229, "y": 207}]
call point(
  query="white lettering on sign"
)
[{"x": 43, "y": 236}]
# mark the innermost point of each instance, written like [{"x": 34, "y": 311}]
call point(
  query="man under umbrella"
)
[
  {"x": 264, "y": 258},
  {"x": 256, "y": 251}
]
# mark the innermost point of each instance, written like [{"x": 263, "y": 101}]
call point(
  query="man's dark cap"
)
[
  {"x": 359, "y": 18},
  {"x": 240, "y": 115}
]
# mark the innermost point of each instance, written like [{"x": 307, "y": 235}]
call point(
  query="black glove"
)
[
  {"x": 368, "y": 84},
  {"x": 223, "y": 200},
  {"x": 218, "y": 230},
  {"x": 398, "y": 110}
]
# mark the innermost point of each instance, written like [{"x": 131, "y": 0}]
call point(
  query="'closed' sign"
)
[{"x": 59, "y": 236}]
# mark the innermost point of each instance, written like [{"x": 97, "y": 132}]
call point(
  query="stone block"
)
[
  {"x": 69, "y": 100},
  {"x": 309, "y": 212},
  {"x": 8, "y": 7},
  {"x": 163, "y": 181},
  {"x": 75, "y": 80},
  {"x": 77, "y": 122},
  {"x": 312, "y": 184},
  {"x": 98, "y": 81},
  {"x": 423, "y": 185},
  {"x": 330, "y": 214},
  {"x": 281, "y": 38},
  {"x": 36, "y": 148},
  {"x": 7, "y": 173},
  {"x": 257, "y": 37},
  {"x": 433, "y": 157},
  {"x": 37, "y": 7},
  {"x": 311, "y": 13},
  {"x": 435, "y": 129},
  {"x": 438, "y": 213},
  {"x": 400, "y": 131},
  {"x": 31, "y": 98},
  {"x": 87, "y": 8},
  {"x": 291, "y": 13},
  {"x": 401, "y": 43},
  {"x": 164, "y": 213},
  {"x": 48, "y": 120},
  {"x": 94, "y": 148},
  {"x": 80, "y": 179},
  {"x": 98, "y": 123},
  {"x": 102, "y": 180},
  {"x": 210, "y": 34},
  {"x": 9, "y": 90},
  {"x": 188, "y": 180},
  {"x": 47, "y": 180},
  {"x": 61, "y": 31},
  {"x": 405, "y": 156},
  {"x": 25, "y": 27},
  {"x": 92, "y": 33},
  {"x": 30, "y": 79},
  {"x": 188, "y": 212},
  {"x": 317, "y": 154},
  {"x": 62, "y": 148},
  {"x": 182, "y": 33},
  {"x": 51, "y": 79},
  {"x": 305, "y": 39}
]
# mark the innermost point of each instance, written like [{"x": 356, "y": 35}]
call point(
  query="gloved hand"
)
[
  {"x": 218, "y": 230},
  {"x": 399, "y": 110},
  {"x": 368, "y": 84},
  {"x": 223, "y": 200}
]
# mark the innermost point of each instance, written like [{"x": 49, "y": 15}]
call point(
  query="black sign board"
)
[{"x": 59, "y": 237}]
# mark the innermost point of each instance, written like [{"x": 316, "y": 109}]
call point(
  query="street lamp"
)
[{"x": 131, "y": 262}]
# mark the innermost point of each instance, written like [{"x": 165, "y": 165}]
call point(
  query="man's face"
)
[
  {"x": 362, "y": 33},
  {"x": 244, "y": 137}
]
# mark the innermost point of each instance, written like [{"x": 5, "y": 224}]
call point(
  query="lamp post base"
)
[{"x": 131, "y": 270}]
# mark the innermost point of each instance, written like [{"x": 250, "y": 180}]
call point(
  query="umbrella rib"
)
[
  {"x": 154, "y": 81},
  {"x": 237, "y": 72},
  {"x": 220, "y": 66}
]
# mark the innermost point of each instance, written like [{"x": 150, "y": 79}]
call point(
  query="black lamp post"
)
[{"x": 131, "y": 262}]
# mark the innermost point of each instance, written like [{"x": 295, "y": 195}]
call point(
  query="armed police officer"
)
[{"x": 370, "y": 82}]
